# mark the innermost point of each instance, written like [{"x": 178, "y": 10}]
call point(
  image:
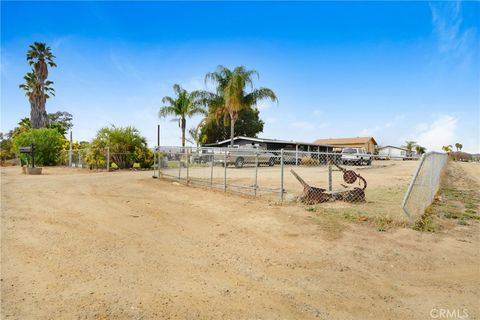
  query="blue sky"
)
[{"x": 394, "y": 70}]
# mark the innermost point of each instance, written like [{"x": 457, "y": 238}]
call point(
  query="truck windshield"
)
[{"x": 348, "y": 151}]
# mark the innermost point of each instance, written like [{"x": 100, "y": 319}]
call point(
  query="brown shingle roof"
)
[{"x": 345, "y": 140}]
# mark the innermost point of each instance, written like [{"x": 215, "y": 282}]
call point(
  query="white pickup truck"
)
[
  {"x": 356, "y": 156},
  {"x": 239, "y": 156}
]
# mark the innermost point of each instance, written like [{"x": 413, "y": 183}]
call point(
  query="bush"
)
[
  {"x": 48, "y": 145},
  {"x": 126, "y": 145},
  {"x": 309, "y": 161},
  {"x": 143, "y": 157},
  {"x": 113, "y": 166}
]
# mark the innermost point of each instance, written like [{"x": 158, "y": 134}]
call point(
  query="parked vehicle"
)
[
  {"x": 356, "y": 156},
  {"x": 239, "y": 156}
]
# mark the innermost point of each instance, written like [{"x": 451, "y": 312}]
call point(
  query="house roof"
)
[
  {"x": 399, "y": 148},
  {"x": 265, "y": 140},
  {"x": 340, "y": 141}
]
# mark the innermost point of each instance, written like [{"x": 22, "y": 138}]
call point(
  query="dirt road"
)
[{"x": 125, "y": 246}]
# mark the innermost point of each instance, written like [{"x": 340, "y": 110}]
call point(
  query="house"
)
[
  {"x": 368, "y": 143},
  {"x": 392, "y": 152},
  {"x": 273, "y": 144}
]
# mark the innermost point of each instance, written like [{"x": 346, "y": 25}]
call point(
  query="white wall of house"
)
[{"x": 392, "y": 152}]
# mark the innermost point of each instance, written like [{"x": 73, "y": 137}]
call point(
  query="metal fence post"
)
[
  {"x": 159, "y": 161},
  {"x": 281, "y": 175},
  {"x": 296, "y": 155},
  {"x": 211, "y": 172},
  {"x": 180, "y": 167},
  {"x": 108, "y": 158},
  {"x": 256, "y": 175},
  {"x": 70, "y": 151},
  {"x": 154, "y": 163},
  {"x": 187, "y": 166},
  {"x": 329, "y": 175},
  {"x": 225, "y": 172}
]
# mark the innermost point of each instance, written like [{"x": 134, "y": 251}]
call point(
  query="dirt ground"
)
[{"x": 122, "y": 245}]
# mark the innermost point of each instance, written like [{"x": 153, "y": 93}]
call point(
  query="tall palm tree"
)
[
  {"x": 420, "y": 150},
  {"x": 409, "y": 145},
  {"x": 184, "y": 104},
  {"x": 37, "y": 93},
  {"x": 39, "y": 56},
  {"x": 447, "y": 149},
  {"x": 231, "y": 94},
  {"x": 459, "y": 146}
]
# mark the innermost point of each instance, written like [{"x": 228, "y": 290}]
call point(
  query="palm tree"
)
[
  {"x": 459, "y": 146},
  {"x": 185, "y": 104},
  {"x": 409, "y": 145},
  {"x": 194, "y": 133},
  {"x": 39, "y": 56},
  {"x": 447, "y": 148},
  {"x": 37, "y": 93},
  {"x": 420, "y": 150},
  {"x": 231, "y": 96}
]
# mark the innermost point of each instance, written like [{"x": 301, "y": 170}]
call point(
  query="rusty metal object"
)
[
  {"x": 356, "y": 194},
  {"x": 312, "y": 195}
]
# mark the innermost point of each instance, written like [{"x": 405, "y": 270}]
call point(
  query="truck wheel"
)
[
  {"x": 271, "y": 162},
  {"x": 369, "y": 162},
  {"x": 239, "y": 162}
]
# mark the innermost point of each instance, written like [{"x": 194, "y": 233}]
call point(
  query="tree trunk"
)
[
  {"x": 232, "y": 129},
  {"x": 38, "y": 114},
  {"x": 184, "y": 125}
]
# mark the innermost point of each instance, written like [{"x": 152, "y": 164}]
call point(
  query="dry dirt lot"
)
[{"x": 122, "y": 245}]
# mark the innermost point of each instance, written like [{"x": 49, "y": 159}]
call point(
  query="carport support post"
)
[
  {"x": 225, "y": 172},
  {"x": 296, "y": 155},
  {"x": 281, "y": 175},
  {"x": 256, "y": 174}
]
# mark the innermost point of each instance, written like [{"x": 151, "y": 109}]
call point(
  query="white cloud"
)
[
  {"x": 380, "y": 128},
  {"x": 434, "y": 135},
  {"x": 447, "y": 26}
]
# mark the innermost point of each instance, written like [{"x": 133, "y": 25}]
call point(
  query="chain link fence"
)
[
  {"x": 283, "y": 175},
  {"x": 106, "y": 159},
  {"x": 424, "y": 184},
  {"x": 308, "y": 177}
]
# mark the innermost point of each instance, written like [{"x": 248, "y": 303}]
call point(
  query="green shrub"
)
[
  {"x": 113, "y": 166},
  {"x": 144, "y": 157},
  {"x": 136, "y": 165},
  {"x": 309, "y": 161},
  {"x": 48, "y": 145}
]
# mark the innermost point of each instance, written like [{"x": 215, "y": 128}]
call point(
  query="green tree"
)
[
  {"x": 248, "y": 124},
  {"x": 122, "y": 142},
  {"x": 37, "y": 87},
  {"x": 231, "y": 94},
  {"x": 459, "y": 146},
  {"x": 184, "y": 104},
  {"x": 420, "y": 150},
  {"x": 409, "y": 145},
  {"x": 61, "y": 120},
  {"x": 48, "y": 145},
  {"x": 447, "y": 148},
  {"x": 6, "y": 147}
]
